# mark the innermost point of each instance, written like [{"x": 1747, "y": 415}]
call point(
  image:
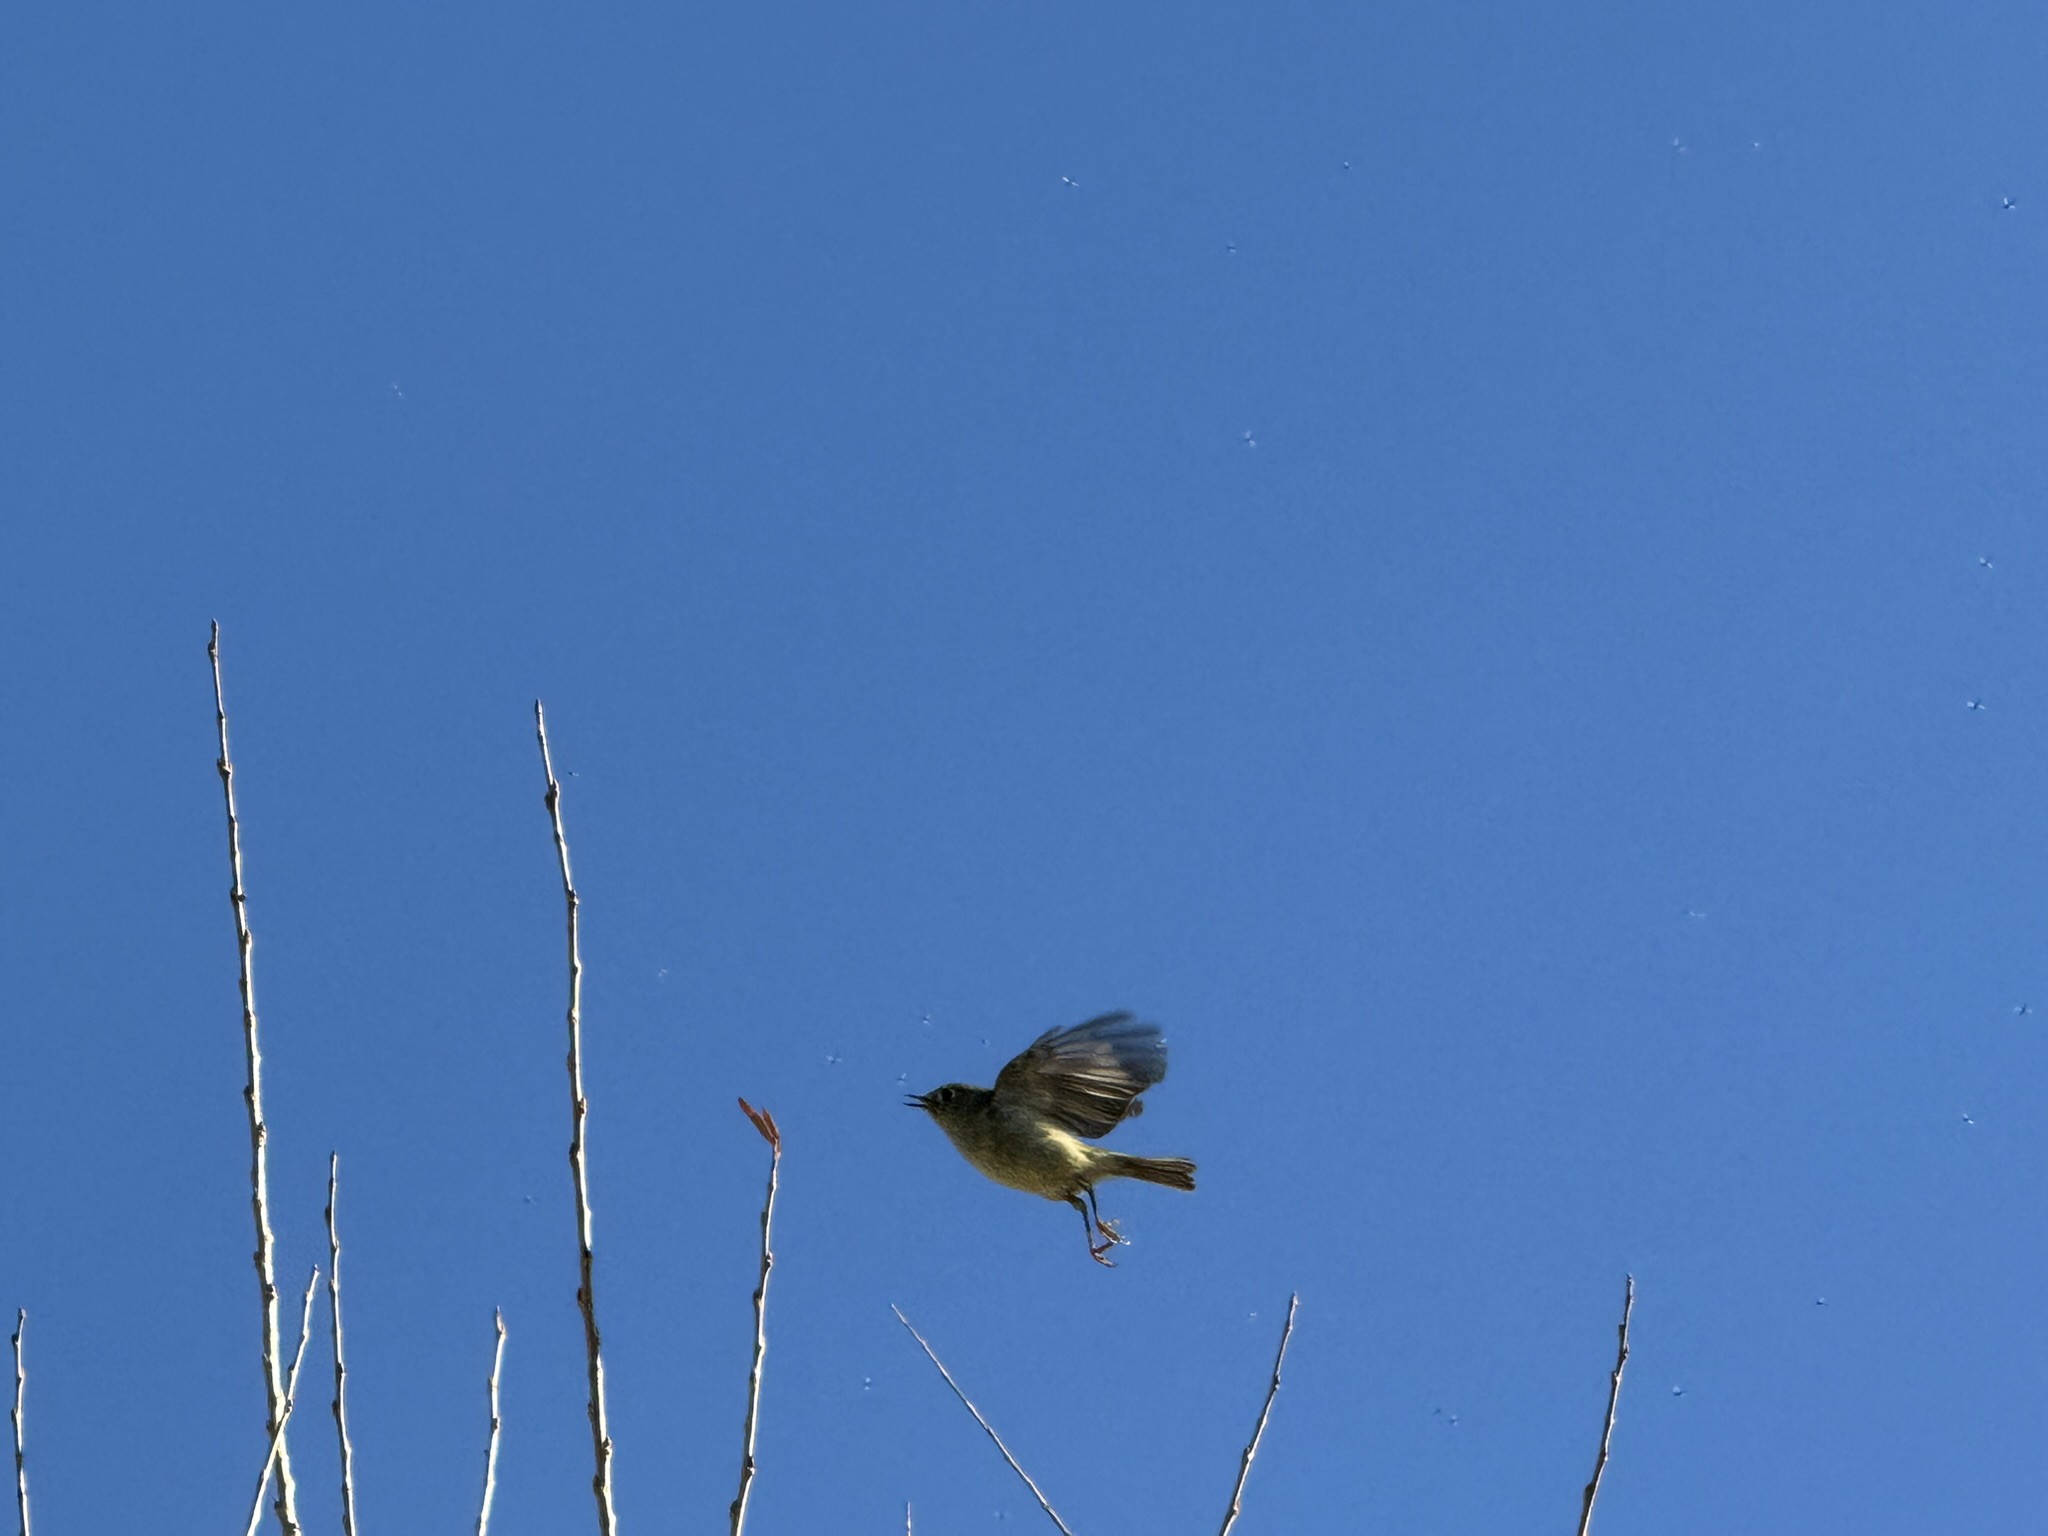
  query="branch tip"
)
[
  {"x": 764, "y": 1122},
  {"x": 276, "y": 1393},
  {"x": 483, "y": 1519},
  {"x": 987, "y": 1428},
  {"x": 1251, "y": 1450},
  {"x": 579, "y": 1108},
  {"x": 20, "y": 1406},
  {"x": 1628, "y": 1306}
]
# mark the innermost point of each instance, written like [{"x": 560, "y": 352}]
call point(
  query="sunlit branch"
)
[
  {"x": 579, "y": 1110},
  {"x": 1628, "y": 1305},
  {"x": 987, "y": 1428},
  {"x": 259, "y": 1131},
  {"x": 765, "y": 1124},
  {"x": 483, "y": 1519},
  {"x": 275, "y": 1458},
  {"x": 348, "y": 1479},
  {"x": 20, "y": 1409},
  {"x": 1244, "y": 1467}
]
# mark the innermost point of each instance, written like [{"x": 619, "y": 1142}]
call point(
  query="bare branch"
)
[
  {"x": 989, "y": 1429},
  {"x": 259, "y": 1132},
  {"x": 20, "y": 1400},
  {"x": 348, "y": 1480},
  {"x": 1628, "y": 1305},
  {"x": 579, "y": 1108},
  {"x": 483, "y": 1519},
  {"x": 1244, "y": 1467},
  {"x": 765, "y": 1124},
  {"x": 276, "y": 1456}
]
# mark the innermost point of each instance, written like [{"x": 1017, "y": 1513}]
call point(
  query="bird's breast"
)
[{"x": 1024, "y": 1152}]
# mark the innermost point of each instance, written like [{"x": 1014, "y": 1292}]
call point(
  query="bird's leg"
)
[
  {"x": 1088, "y": 1235},
  {"x": 1106, "y": 1228}
]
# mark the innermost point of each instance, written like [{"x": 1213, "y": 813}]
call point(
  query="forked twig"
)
[
  {"x": 259, "y": 1132},
  {"x": 987, "y": 1428},
  {"x": 348, "y": 1478},
  {"x": 276, "y": 1456},
  {"x": 483, "y": 1519},
  {"x": 765, "y": 1124},
  {"x": 1628, "y": 1305},
  {"x": 579, "y": 1108},
  {"x": 20, "y": 1400},
  {"x": 1244, "y": 1467}
]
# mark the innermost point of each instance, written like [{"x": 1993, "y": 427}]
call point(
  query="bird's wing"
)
[{"x": 1086, "y": 1078}]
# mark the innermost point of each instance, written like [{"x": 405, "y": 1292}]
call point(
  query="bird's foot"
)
[
  {"x": 1101, "y": 1255},
  {"x": 1109, "y": 1232}
]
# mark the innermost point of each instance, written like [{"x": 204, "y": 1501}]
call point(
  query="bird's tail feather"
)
[{"x": 1173, "y": 1172}]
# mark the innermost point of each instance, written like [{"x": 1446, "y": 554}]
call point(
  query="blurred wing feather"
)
[{"x": 1087, "y": 1078}]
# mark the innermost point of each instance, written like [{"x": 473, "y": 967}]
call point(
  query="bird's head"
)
[{"x": 948, "y": 1102}]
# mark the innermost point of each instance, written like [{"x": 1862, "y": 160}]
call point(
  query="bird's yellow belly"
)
[{"x": 1039, "y": 1159}]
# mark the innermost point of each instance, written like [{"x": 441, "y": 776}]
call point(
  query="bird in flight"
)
[{"x": 1069, "y": 1087}]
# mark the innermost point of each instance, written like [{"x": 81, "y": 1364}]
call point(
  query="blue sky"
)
[{"x": 1445, "y": 555}]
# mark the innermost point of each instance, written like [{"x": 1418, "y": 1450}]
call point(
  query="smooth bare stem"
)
[
  {"x": 1628, "y": 1305},
  {"x": 1244, "y": 1467},
  {"x": 276, "y": 1456},
  {"x": 987, "y": 1428},
  {"x": 579, "y": 1109},
  {"x": 20, "y": 1407},
  {"x": 483, "y": 1518},
  {"x": 765, "y": 1124},
  {"x": 269, "y": 1461},
  {"x": 259, "y": 1131},
  {"x": 348, "y": 1478}
]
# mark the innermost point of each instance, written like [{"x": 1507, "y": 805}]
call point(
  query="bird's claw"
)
[{"x": 1111, "y": 1239}]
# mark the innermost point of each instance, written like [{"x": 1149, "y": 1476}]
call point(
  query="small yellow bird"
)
[{"x": 1068, "y": 1087}]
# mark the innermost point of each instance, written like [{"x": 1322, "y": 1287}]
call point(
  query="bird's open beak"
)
[{"x": 918, "y": 1101}]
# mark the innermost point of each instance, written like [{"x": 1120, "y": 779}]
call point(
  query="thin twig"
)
[
  {"x": 276, "y": 1456},
  {"x": 20, "y": 1399},
  {"x": 1051, "y": 1513},
  {"x": 579, "y": 1108},
  {"x": 1244, "y": 1467},
  {"x": 765, "y": 1124},
  {"x": 1628, "y": 1305},
  {"x": 483, "y": 1519},
  {"x": 348, "y": 1479},
  {"x": 259, "y": 1132}
]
